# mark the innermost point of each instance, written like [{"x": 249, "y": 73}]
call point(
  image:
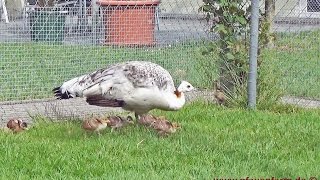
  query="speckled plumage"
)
[
  {"x": 139, "y": 73},
  {"x": 138, "y": 86},
  {"x": 147, "y": 74}
]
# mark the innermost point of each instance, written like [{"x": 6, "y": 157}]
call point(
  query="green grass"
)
[
  {"x": 31, "y": 70},
  {"x": 296, "y": 57},
  {"x": 213, "y": 143}
]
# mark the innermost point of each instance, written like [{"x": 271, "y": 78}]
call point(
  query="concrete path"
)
[
  {"x": 301, "y": 102},
  {"x": 77, "y": 108},
  {"x": 62, "y": 109}
]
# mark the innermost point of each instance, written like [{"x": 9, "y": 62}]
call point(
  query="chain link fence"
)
[
  {"x": 296, "y": 53},
  {"x": 45, "y": 42}
]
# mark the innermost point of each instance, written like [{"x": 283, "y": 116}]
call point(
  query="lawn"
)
[
  {"x": 37, "y": 68},
  {"x": 296, "y": 57},
  {"x": 213, "y": 143},
  {"x": 31, "y": 70}
]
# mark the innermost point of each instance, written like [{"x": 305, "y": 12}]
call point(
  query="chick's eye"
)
[{"x": 188, "y": 86}]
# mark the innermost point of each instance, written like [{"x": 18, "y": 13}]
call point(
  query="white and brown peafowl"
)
[{"x": 137, "y": 86}]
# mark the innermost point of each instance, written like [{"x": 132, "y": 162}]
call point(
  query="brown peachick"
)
[
  {"x": 17, "y": 125},
  {"x": 116, "y": 122},
  {"x": 95, "y": 124}
]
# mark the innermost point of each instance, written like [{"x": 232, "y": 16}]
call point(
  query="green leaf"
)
[
  {"x": 230, "y": 56},
  {"x": 205, "y": 8},
  {"x": 241, "y": 20},
  {"x": 221, "y": 28}
]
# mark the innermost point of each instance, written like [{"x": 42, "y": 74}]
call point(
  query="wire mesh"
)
[
  {"x": 44, "y": 43},
  {"x": 296, "y": 52}
]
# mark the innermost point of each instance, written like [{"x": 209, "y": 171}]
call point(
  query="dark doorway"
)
[{"x": 313, "y": 5}]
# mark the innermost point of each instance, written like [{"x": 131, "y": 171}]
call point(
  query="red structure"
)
[{"x": 129, "y": 22}]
